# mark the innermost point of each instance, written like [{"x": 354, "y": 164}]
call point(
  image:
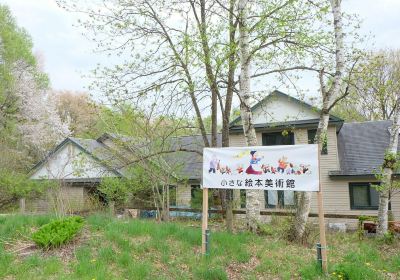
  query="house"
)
[{"x": 349, "y": 161}]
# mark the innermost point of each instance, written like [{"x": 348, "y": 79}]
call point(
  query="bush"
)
[
  {"x": 14, "y": 186},
  {"x": 115, "y": 189},
  {"x": 57, "y": 232}
]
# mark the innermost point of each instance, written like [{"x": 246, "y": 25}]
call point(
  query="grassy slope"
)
[{"x": 138, "y": 249}]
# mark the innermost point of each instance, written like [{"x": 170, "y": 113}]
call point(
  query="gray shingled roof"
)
[
  {"x": 189, "y": 164},
  {"x": 100, "y": 151},
  {"x": 361, "y": 147}
]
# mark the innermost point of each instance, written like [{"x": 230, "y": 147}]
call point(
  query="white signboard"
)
[{"x": 289, "y": 167}]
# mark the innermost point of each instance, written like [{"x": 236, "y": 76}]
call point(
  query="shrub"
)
[
  {"x": 387, "y": 238},
  {"x": 14, "y": 186},
  {"x": 115, "y": 189},
  {"x": 57, "y": 232}
]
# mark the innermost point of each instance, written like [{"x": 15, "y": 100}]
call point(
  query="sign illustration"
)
[{"x": 289, "y": 167}]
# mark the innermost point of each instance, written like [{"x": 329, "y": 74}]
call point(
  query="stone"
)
[{"x": 339, "y": 227}]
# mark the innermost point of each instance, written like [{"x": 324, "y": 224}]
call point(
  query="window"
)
[
  {"x": 242, "y": 198},
  {"x": 363, "y": 196},
  {"x": 172, "y": 195},
  {"x": 279, "y": 199},
  {"x": 311, "y": 140},
  {"x": 277, "y": 138},
  {"x": 196, "y": 195}
]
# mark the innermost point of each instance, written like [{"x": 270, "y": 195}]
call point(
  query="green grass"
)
[{"x": 142, "y": 249}]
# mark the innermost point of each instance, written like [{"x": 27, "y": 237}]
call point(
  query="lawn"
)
[{"x": 110, "y": 248}]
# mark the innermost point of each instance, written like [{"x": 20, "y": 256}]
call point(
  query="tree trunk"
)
[
  {"x": 252, "y": 196},
  {"x": 304, "y": 201},
  {"x": 226, "y": 112},
  {"x": 215, "y": 94},
  {"x": 384, "y": 202},
  {"x": 387, "y": 173},
  {"x": 328, "y": 101}
]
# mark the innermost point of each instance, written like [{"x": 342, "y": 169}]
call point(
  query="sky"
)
[{"x": 68, "y": 55}]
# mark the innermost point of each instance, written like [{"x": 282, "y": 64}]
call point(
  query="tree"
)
[
  {"x": 252, "y": 196},
  {"x": 78, "y": 110},
  {"x": 150, "y": 158},
  {"x": 331, "y": 93},
  {"x": 27, "y": 126},
  {"x": 38, "y": 120},
  {"x": 374, "y": 95},
  {"x": 184, "y": 54},
  {"x": 389, "y": 165},
  {"x": 374, "y": 88},
  {"x": 15, "y": 55}
]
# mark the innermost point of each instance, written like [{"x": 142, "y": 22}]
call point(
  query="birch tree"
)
[
  {"x": 252, "y": 196},
  {"x": 188, "y": 51},
  {"x": 374, "y": 95},
  {"x": 331, "y": 94},
  {"x": 388, "y": 168}
]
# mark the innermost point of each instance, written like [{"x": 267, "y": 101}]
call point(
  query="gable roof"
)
[
  {"x": 277, "y": 93},
  {"x": 361, "y": 148},
  {"x": 186, "y": 165},
  {"x": 88, "y": 146}
]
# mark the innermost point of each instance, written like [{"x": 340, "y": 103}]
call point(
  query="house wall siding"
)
[
  {"x": 183, "y": 195},
  {"x": 335, "y": 192},
  {"x": 70, "y": 163},
  {"x": 271, "y": 111},
  {"x": 66, "y": 199}
]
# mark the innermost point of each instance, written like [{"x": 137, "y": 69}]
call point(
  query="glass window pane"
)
[
  {"x": 360, "y": 196},
  {"x": 242, "y": 198},
  {"x": 374, "y": 197},
  {"x": 270, "y": 140},
  {"x": 311, "y": 135},
  {"x": 172, "y": 195},
  {"x": 289, "y": 198},
  {"x": 272, "y": 198}
]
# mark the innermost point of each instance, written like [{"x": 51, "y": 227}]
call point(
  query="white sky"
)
[{"x": 68, "y": 54}]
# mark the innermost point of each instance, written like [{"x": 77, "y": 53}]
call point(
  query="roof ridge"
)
[
  {"x": 370, "y": 121},
  {"x": 79, "y": 138}
]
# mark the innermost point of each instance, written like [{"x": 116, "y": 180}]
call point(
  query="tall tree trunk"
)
[
  {"x": 387, "y": 173},
  {"x": 304, "y": 201},
  {"x": 215, "y": 94},
  {"x": 252, "y": 196},
  {"x": 328, "y": 101},
  {"x": 226, "y": 112}
]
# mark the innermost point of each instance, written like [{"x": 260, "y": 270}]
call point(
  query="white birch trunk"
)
[
  {"x": 387, "y": 173},
  {"x": 304, "y": 202},
  {"x": 252, "y": 196}
]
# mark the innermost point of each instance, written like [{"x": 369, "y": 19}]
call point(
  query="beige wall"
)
[
  {"x": 66, "y": 199},
  {"x": 335, "y": 192},
  {"x": 183, "y": 195}
]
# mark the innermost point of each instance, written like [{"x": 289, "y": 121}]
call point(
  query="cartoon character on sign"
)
[
  {"x": 223, "y": 168},
  {"x": 213, "y": 164},
  {"x": 282, "y": 164},
  {"x": 290, "y": 169},
  {"x": 253, "y": 161},
  {"x": 305, "y": 168},
  {"x": 266, "y": 168}
]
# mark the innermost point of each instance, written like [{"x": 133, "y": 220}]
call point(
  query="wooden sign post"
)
[
  {"x": 217, "y": 174},
  {"x": 321, "y": 218},
  {"x": 204, "y": 225}
]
